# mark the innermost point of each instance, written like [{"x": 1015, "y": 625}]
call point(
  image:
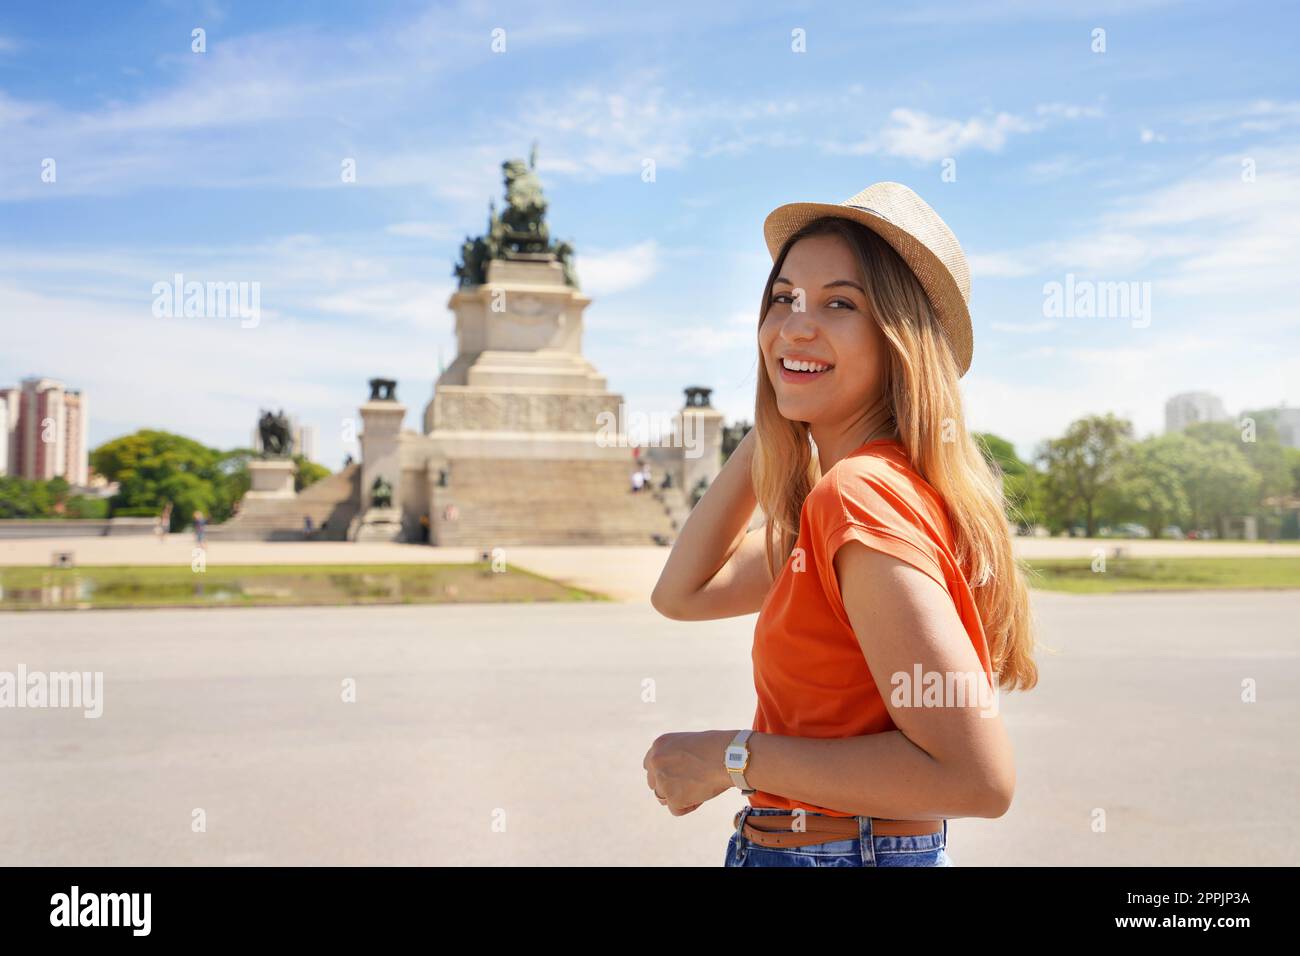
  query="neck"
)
[{"x": 837, "y": 442}]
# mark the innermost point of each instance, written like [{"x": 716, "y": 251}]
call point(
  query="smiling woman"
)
[{"x": 886, "y": 552}]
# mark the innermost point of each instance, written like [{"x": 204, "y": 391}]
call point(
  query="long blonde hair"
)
[{"x": 923, "y": 394}]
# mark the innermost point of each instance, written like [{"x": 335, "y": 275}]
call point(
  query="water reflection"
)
[{"x": 144, "y": 587}]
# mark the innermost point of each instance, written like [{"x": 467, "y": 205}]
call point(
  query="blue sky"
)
[{"x": 1117, "y": 166}]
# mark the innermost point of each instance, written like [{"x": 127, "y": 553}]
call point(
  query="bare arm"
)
[
  {"x": 942, "y": 761},
  {"x": 716, "y": 569}
]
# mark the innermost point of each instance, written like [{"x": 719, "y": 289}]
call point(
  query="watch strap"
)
[{"x": 738, "y": 774}]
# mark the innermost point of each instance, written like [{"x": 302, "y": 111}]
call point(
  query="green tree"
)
[
  {"x": 85, "y": 506},
  {"x": 1220, "y": 484},
  {"x": 20, "y": 498},
  {"x": 1254, "y": 439},
  {"x": 1079, "y": 468},
  {"x": 153, "y": 468},
  {"x": 307, "y": 473},
  {"x": 1292, "y": 456},
  {"x": 156, "y": 467},
  {"x": 1256, "y": 436},
  {"x": 1149, "y": 482}
]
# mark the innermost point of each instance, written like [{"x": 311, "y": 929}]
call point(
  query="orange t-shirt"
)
[{"x": 809, "y": 671}]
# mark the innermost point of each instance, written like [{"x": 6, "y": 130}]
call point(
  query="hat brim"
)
[{"x": 940, "y": 287}]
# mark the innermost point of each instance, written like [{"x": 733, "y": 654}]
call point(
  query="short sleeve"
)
[{"x": 875, "y": 509}]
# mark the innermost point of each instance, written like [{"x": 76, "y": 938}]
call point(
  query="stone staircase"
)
[
  {"x": 331, "y": 502},
  {"x": 505, "y": 502}
]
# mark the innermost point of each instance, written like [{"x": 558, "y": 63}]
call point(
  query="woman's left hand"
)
[{"x": 685, "y": 770}]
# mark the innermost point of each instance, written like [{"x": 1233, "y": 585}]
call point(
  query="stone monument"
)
[
  {"x": 516, "y": 446},
  {"x": 271, "y": 476},
  {"x": 519, "y": 387},
  {"x": 699, "y": 427},
  {"x": 380, "y": 517}
]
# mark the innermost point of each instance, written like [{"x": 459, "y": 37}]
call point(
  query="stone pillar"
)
[
  {"x": 381, "y": 424},
  {"x": 699, "y": 434},
  {"x": 381, "y": 428}
]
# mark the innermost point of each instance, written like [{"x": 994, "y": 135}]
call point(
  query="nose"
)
[{"x": 798, "y": 327}]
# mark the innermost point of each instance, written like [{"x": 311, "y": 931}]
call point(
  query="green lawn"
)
[
  {"x": 1164, "y": 574},
  {"x": 25, "y": 588}
]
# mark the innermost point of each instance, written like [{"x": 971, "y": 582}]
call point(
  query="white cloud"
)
[
  {"x": 606, "y": 130},
  {"x": 416, "y": 304},
  {"x": 438, "y": 231},
  {"x": 1256, "y": 116},
  {"x": 14, "y": 112},
  {"x": 913, "y": 134},
  {"x": 1062, "y": 166},
  {"x": 1104, "y": 253},
  {"x": 1070, "y": 110},
  {"x": 617, "y": 270},
  {"x": 945, "y": 15},
  {"x": 1026, "y": 328},
  {"x": 1209, "y": 232},
  {"x": 917, "y": 135},
  {"x": 999, "y": 265},
  {"x": 737, "y": 332}
]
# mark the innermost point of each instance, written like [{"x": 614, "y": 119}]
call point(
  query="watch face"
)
[{"x": 736, "y": 758}]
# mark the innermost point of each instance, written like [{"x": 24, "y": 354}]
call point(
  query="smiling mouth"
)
[{"x": 797, "y": 371}]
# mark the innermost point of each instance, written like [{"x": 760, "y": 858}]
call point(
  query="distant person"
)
[
  {"x": 424, "y": 529},
  {"x": 200, "y": 527},
  {"x": 638, "y": 479},
  {"x": 164, "y": 523},
  {"x": 308, "y": 529}
]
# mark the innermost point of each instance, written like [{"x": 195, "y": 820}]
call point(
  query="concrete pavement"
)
[{"x": 510, "y": 734}]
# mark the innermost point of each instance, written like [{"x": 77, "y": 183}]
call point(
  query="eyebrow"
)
[{"x": 829, "y": 285}]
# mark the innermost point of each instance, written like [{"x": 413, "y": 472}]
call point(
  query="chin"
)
[{"x": 797, "y": 413}]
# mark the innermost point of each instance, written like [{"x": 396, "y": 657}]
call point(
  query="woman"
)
[{"x": 891, "y": 608}]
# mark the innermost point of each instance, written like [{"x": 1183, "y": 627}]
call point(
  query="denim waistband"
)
[{"x": 924, "y": 841}]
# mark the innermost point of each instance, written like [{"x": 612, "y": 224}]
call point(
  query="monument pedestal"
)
[
  {"x": 381, "y": 461},
  {"x": 377, "y": 524},
  {"x": 520, "y": 386},
  {"x": 270, "y": 479},
  {"x": 699, "y": 432}
]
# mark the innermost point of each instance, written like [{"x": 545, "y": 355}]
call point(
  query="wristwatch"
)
[{"x": 737, "y": 760}]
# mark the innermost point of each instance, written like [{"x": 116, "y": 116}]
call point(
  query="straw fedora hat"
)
[{"x": 915, "y": 231}]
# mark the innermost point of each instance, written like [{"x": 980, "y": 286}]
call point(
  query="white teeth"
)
[{"x": 803, "y": 366}]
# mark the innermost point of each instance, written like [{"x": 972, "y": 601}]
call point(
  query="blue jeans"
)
[{"x": 864, "y": 850}]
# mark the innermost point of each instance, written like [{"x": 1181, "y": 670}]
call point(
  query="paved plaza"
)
[{"x": 513, "y": 734}]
